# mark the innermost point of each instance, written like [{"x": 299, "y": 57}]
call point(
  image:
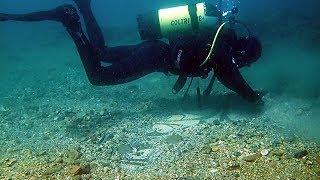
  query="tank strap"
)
[{"x": 194, "y": 17}]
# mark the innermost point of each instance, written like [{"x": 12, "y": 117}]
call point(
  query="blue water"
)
[{"x": 49, "y": 110}]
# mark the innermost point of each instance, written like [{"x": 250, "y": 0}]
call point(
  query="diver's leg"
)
[
  {"x": 147, "y": 58},
  {"x": 144, "y": 58},
  {"x": 108, "y": 54},
  {"x": 93, "y": 30},
  {"x": 114, "y": 54},
  {"x": 66, "y": 14},
  {"x": 36, "y": 16},
  {"x": 89, "y": 59}
]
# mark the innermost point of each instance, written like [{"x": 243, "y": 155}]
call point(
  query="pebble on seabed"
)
[
  {"x": 213, "y": 171},
  {"x": 233, "y": 166},
  {"x": 252, "y": 157},
  {"x": 300, "y": 154},
  {"x": 79, "y": 170},
  {"x": 264, "y": 152},
  {"x": 11, "y": 162},
  {"x": 215, "y": 148},
  {"x": 162, "y": 128},
  {"x": 278, "y": 153}
]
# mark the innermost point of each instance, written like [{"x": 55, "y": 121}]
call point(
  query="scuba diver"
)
[{"x": 187, "y": 55}]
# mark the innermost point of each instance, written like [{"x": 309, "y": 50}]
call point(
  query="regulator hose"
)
[{"x": 213, "y": 44}]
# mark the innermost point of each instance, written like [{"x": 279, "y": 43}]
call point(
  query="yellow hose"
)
[{"x": 213, "y": 44}]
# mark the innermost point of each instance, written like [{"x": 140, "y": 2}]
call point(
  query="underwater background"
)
[{"x": 55, "y": 125}]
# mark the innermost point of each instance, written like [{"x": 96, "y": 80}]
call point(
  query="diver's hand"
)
[
  {"x": 3, "y": 17},
  {"x": 259, "y": 97}
]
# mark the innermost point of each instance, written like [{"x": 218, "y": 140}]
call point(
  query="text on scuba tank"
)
[{"x": 184, "y": 21}]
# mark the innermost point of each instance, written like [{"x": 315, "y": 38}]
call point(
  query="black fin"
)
[
  {"x": 199, "y": 96},
  {"x": 208, "y": 90},
  {"x": 179, "y": 84}
]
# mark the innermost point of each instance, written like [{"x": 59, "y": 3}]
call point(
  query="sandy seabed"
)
[{"x": 54, "y": 125}]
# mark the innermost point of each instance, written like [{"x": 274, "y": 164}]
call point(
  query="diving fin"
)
[
  {"x": 186, "y": 94},
  {"x": 199, "y": 97},
  {"x": 208, "y": 90},
  {"x": 179, "y": 84}
]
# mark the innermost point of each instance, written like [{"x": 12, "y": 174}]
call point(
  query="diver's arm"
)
[{"x": 229, "y": 75}]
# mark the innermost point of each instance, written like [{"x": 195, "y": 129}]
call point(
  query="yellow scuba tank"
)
[{"x": 176, "y": 21}]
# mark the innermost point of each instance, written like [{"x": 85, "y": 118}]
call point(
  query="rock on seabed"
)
[
  {"x": 162, "y": 128},
  {"x": 79, "y": 170},
  {"x": 300, "y": 154},
  {"x": 252, "y": 157},
  {"x": 264, "y": 152}
]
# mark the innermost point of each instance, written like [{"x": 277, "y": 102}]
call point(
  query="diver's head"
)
[{"x": 247, "y": 51}]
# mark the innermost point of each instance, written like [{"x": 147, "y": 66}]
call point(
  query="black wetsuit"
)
[{"x": 132, "y": 62}]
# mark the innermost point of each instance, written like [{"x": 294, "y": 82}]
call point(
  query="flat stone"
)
[
  {"x": 77, "y": 170},
  {"x": 186, "y": 123},
  {"x": 252, "y": 157},
  {"x": 141, "y": 155},
  {"x": 300, "y": 154},
  {"x": 309, "y": 163},
  {"x": 176, "y": 118},
  {"x": 11, "y": 162},
  {"x": 233, "y": 166},
  {"x": 215, "y": 148},
  {"x": 52, "y": 170},
  {"x": 278, "y": 153},
  {"x": 183, "y": 117},
  {"x": 214, "y": 171},
  {"x": 174, "y": 139},
  {"x": 162, "y": 128}
]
